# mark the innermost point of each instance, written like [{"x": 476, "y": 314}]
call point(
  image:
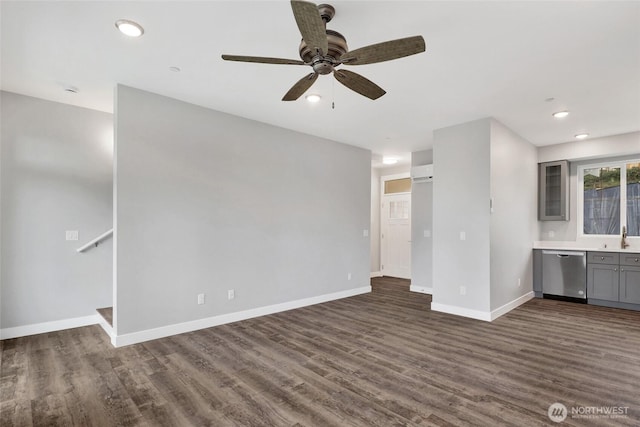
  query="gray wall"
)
[
  {"x": 208, "y": 202},
  {"x": 597, "y": 150},
  {"x": 375, "y": 220},
  {"x": 56, "y": 175},
  {"x": 608, "y": 146},
  {"x": 514, "y": 175},
  {"x": 421, "y": 222},
  {"x": 461, "y": 192}
]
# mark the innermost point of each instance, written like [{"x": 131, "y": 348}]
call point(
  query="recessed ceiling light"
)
[
  {"x": 561, "y": 114},
  {"x": 129, "y": 28},
  {"x": 582, "y": 136},
  {"x": 389, "y": 160},
  {"x": 174, "y": 69},
  {"x": 313, "y": 98}
]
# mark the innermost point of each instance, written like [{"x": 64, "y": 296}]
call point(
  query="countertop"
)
[{"x": 575, "y": 246}]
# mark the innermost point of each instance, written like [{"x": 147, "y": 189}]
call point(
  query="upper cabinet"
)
[{"x": 553, "y": 191}]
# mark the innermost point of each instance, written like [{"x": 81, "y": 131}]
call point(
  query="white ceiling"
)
[{"x": 501, "y": 59}]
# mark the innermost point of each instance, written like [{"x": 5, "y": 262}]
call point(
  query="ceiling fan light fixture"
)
[
  {"x": 389, "y": 160},
  {"x": 582, "y": 136},
  {"x": 313, "y": 98},
  {"x": 129, "y": 28},
  {"x": 561, "y": 114}
]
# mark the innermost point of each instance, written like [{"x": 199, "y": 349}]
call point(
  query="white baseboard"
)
[
  {"x": 107, "y": 328},
  {"x": 42, "y": 328},
  {"x": 421, "y": 289},
  {"x": 461, "y": 311},
  {"x": 511, "y": 305},
  {"x": 180, "y": 328},
  {"x": 376, "y": 274},
  {"x": 487, "y": 316}
]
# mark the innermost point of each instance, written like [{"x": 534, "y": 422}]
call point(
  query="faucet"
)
[{"x": 624, "y": 243}]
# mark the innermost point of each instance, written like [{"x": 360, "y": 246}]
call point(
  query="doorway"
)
[{"x": 395, "y": 226}]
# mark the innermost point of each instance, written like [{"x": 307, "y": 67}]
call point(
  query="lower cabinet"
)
[
  {"x": 613, "y": 277},
  {"x": 630, "y": 284},
  {"x": 603, "y": 282}
]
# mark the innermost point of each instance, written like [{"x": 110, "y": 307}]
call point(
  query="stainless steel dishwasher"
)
[{"x": 564, "y": 274}]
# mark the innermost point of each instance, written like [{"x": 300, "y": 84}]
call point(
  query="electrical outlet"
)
[
  {"x": 231, "y": 294},
  {"x": 348, "y": 276},
  {"x": 552, "y": 233},
  {"x": 463, "y": 235},
  {"x": 71, "y": 235},
  {"x": 427, "y": 233},
  {"x": 519, "y": 282},
  {"x": 463, "y": 290},
  {"x": 200, "y": 299}
]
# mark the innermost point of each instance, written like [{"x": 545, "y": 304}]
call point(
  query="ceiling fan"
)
[{"x": 324, "y": 50}]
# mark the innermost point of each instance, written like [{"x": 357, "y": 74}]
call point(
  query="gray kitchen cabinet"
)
[
  {"x": 613, "y": 279},
  {"x": 553, "y": 191},
  {"x": 603, "y": 282},
  {"x": 537, "y": 273},
  {"x": 630, "y": 284}
]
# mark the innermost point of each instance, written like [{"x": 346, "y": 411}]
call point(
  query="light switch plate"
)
[
  {"x": 463, "y": 235},
  {"x": 72, "y": 235},
  {"x": 427, "y": 233},
  {"x": 365, "y": 233}
]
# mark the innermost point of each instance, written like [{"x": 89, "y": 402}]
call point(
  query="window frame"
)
[{"x": 622, "y": 164}]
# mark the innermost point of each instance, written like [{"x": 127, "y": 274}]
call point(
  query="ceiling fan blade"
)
[
  {"x": 359, "y": 84},
  {"x": 384, "y": 51},
  {"x": 311, "y": 25},
  {"x": 262, "y": 60},
  {"x": 300, "y": 87}
]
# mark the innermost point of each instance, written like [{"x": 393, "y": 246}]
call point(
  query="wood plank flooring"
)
[
  {"x": 380, "y": 359},
  {"x": 107, "y": 314}
]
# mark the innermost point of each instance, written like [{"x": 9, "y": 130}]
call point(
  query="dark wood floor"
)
[
  {"x": 380, "y": 359},
  {"x": 107, "y": 314}
]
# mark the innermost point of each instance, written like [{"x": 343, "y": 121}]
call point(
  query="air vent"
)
[{"x": 422, "y": 173}]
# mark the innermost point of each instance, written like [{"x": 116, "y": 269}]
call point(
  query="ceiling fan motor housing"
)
[{"x": 323, "y": 64}]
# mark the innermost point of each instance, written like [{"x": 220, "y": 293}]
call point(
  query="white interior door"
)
[{"x": 396, "y": 235}]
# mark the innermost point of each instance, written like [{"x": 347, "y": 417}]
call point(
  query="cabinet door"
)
[
  {"x": 554, "y": 191},
  {"x": 630, "y": 284},
  {"x": 602, "y": 282}
]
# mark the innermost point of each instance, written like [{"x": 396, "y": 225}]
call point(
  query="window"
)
[
  {"x": 402, "y": 185},
  {"x": 610, "y": 198}
]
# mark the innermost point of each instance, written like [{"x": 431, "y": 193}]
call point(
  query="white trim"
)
[
  {"x": 461, "y": 311},
  {"x": 391, "y": 177},
  {"x": 107, "y": 328},
  {"x": 482, "y": 315},
  {"x": 96, "y": 241},
  {"x": 42, "y": 328},
  {"x": 622, "y": 164},
  {"x": 180, "y": 328},
  {"x": 421, "y": 289},
  {"x": 376, "y": 274},
  {"x": 511, "y": 305}
]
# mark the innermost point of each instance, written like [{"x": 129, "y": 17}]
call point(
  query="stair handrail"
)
[{"x": 95, "y": 242}]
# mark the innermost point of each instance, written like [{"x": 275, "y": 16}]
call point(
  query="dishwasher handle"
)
[{"x": 563, "y": 254}]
